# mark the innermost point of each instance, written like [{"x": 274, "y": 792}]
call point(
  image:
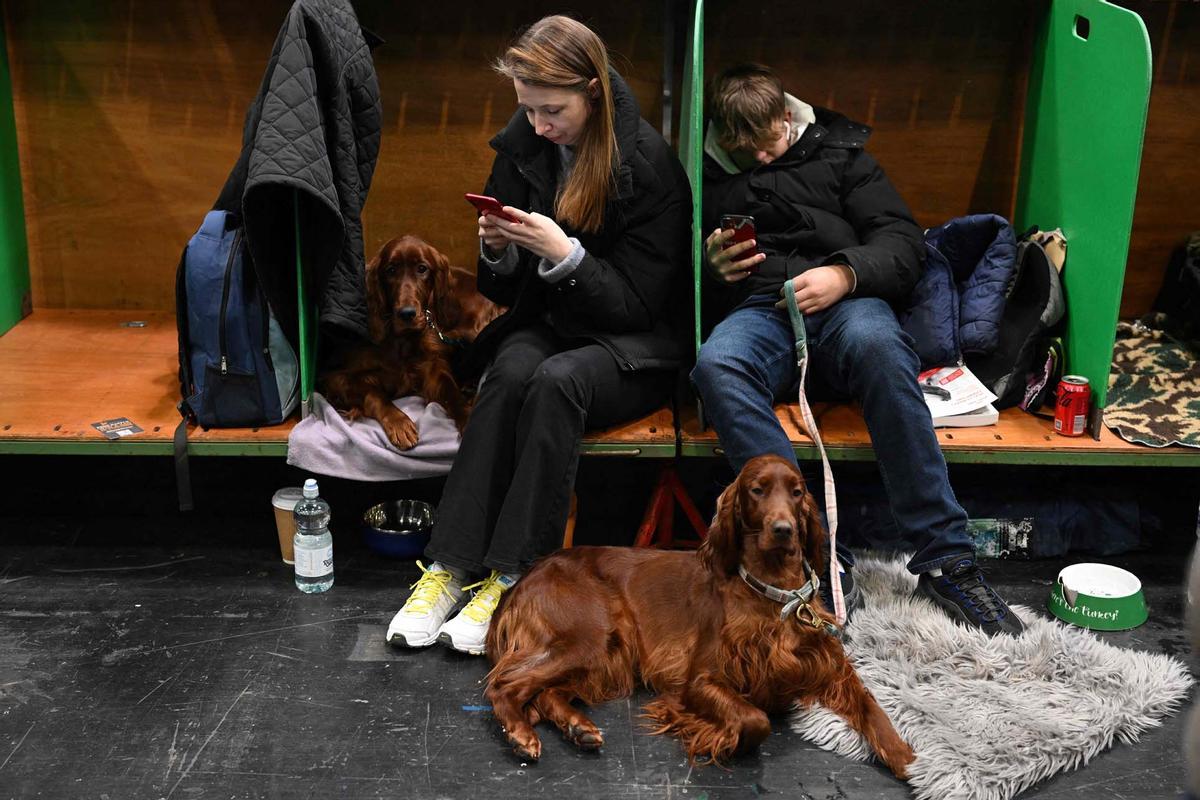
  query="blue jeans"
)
[{"x": 857, "y": 350}]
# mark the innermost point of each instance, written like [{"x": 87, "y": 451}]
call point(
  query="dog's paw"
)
[
  {"x": 401, "y": 431},
  {"x": 528, "y": 746},
  {"x": 899, "y": 761},
  {"x": 585, "y": 736}
]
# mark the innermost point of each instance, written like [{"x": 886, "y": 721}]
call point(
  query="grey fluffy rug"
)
[{"x": 990, "y": 717}]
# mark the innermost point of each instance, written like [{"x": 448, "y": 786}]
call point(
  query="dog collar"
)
[{"x": 795, "y": 601}]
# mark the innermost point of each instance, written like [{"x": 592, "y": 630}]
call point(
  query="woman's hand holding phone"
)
[
  {"x": 493, "y": 236},
  {"x": 501, "y": 225},
  {"x": 490, "y": 209},
  {"x": 537, "y": 233},
  {"x": 723, "y": 260}
]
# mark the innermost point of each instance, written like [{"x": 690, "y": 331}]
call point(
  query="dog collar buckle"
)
[
  {"x": 793, "y": 606},
  {"x": 809, "y": 616}
]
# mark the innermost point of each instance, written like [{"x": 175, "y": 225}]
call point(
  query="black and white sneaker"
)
[{"x": 964, "y": 594}]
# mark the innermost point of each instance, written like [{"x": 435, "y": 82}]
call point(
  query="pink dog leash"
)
[{"x": 810, "y": 424}]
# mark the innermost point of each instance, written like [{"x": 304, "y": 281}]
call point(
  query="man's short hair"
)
[{"x": 746, "y": 102}]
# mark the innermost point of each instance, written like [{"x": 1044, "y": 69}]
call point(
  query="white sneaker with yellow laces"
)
[
  {"x": 434, "y": 596},
  {"x": 467, "y": 631}
]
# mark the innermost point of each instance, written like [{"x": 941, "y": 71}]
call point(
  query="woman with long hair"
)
[{"x": 593, "y": 270}]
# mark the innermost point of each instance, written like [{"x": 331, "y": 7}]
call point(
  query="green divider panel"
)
[
  {"x": 308, "y": 319},
  {"x": 691, "y": 140},
  {"x": 14, "y": 252},
  {"x": 1085, "y": 115}
]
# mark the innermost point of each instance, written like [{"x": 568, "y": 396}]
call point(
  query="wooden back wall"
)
[{"x": 129, "y": 115}]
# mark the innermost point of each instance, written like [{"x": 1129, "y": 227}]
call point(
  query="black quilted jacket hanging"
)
[{"x": 309, "y": 149}]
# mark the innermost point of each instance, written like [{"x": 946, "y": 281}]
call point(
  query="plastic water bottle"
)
[{"x": 313, "y": 543}]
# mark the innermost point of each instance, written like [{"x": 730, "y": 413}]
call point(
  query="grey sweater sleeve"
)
[
  {"x": 553, "y": 273},
  {"x": 505, "y": 264}
]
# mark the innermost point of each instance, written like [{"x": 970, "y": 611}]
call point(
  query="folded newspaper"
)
[{"x": 956, "y": 398}]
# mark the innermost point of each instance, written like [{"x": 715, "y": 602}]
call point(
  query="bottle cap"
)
[{"x": 310, "y": 488}]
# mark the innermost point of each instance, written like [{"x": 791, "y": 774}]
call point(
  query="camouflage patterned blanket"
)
[{"x": 1154, "y": 386}]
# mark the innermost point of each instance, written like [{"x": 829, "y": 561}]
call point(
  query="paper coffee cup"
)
[{"x": 285, "y": 501}]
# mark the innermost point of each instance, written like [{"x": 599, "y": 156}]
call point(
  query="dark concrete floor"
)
[{"x": 147, "y": 654}]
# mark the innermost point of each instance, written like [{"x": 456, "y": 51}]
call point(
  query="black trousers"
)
[{"x": 507, "y": 497}]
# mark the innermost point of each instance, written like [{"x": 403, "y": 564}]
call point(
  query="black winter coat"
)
[
  {"x": 630, "y": 293},
  {"x": 312, "y": 131},
  {"x": 824, "y": 201}
]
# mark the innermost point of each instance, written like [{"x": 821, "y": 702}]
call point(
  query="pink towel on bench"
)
[{"x": 327, "y": 443}]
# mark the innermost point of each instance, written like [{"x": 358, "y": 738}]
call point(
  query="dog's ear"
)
[
  {"x": 379, "y": 310},
  {"x": 719, "y": 550},
  {"x": 813, "y": 543},
  {"x": 446, "y": 307}
]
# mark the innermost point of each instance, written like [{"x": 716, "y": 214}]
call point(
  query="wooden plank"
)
[
  {"x": 941, "y": 84},
  {"x": 1017, "y": 438},
  {"x": 652, "y": 436},
  {"x": 64, "y": 370}
]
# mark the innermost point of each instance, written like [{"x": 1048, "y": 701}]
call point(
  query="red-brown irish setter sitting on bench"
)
[
  {"x": 418, "y": 306},
  {"x": 588, "y": 622}
]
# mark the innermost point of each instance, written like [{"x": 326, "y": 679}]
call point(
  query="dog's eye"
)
[
  {"x": 390, "y": 269},
  {"x": 797, "y": 493},
  {"x": 756, "y": 491},
  {"x": 422, "y": 269}
]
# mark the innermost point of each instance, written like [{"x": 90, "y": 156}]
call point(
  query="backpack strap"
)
[
  {"x": 181, "y": 325},
  {"x": 183, "y": 473},
  {"x": 183, "y": 470}
]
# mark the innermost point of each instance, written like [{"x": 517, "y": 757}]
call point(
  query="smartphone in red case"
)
[
  {"x": 489, "y": 205},
  {"x": 742, "y": 226}
]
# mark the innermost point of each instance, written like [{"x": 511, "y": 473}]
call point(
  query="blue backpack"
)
[{"x": 236, "y": 367}]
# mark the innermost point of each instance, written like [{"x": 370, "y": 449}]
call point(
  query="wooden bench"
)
[{"x": 90, "y": 255}]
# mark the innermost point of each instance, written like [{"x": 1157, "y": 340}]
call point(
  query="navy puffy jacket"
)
[{"x": 956, "y": 307}]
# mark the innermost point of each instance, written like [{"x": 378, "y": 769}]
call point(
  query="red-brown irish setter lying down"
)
[
  {"x": 417, "y": 304},
  {"x": 588, "y": 622}
]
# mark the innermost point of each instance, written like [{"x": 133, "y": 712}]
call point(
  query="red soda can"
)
[{"x": 1071, "y": 410}]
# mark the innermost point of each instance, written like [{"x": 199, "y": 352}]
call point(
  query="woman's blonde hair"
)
[{"x": 561, "y": 53}]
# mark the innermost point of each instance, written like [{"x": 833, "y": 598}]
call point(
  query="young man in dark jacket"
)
[{"x": 827, "y": 217}]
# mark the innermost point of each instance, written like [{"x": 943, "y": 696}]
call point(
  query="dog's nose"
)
[
  {"x": 782, "y": 529},
  {"x": 407, "y": 313}
]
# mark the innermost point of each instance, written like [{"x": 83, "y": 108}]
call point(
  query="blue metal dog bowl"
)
[{"x": 399, "y": 529}]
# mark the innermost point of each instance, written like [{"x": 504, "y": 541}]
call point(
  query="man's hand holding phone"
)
[{"x": 731, "y": 263}]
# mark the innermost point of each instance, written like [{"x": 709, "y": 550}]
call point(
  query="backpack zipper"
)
[
  {"x": 237, "y": 240},
  {"x": 266, "y": 330}
]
